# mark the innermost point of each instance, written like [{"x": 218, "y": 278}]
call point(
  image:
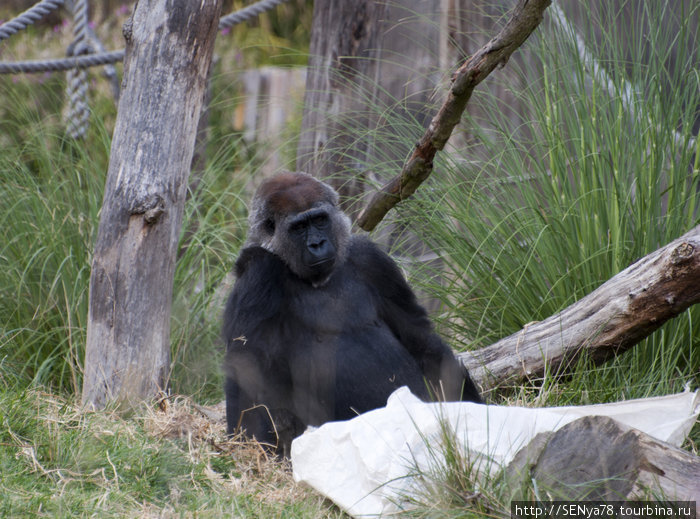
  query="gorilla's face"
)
[
  {"x": 310, "y": 242},
  {"x": 296, "y": 217}
]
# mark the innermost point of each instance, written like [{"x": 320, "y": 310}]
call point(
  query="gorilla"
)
[{"x": 321, "y": 324}]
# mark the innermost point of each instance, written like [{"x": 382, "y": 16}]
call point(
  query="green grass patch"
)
[{"x": 168, "y": 461}]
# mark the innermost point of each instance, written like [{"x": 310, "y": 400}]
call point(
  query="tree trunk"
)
[
  {"x": 344, "y": 43},
  {"x": 373, "y": 66},
  {"x": 169, "y": 49},
  {"x": 599, "y": 459},
  {"x": 609, "y": 320}
]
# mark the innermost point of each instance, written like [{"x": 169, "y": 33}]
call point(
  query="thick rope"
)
[
  {"x": 81, "y": 53},
  {"x": 78, "y": 108},
  {"x": 28, "y": 17},
  {"x": 57, "y": 65},
  {"x": 248, "y": 13},
  {"x": 109, "y": 58},
  {"x": 109, "y": 71}
]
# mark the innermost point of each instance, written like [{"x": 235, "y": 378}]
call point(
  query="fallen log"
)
[
  {"x": 596, "y": 458},
  {"x": 611, "y": 319}
]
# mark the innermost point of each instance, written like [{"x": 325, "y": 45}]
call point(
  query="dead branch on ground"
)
[{"x": 611, "y": 319}]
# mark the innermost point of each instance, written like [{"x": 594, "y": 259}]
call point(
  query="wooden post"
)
[
  {"x": 344, "y": 48},
  {"x": 373, "y": 64},
  {"x": 169, "y": 49}
]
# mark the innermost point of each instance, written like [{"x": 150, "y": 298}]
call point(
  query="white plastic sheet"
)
[{"x": 363, "y": 464}]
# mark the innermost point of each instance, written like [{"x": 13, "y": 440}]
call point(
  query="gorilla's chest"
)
[{"x": 345, "y": 303}]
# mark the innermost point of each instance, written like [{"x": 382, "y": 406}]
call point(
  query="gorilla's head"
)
[{"x": 296, "y": 217}]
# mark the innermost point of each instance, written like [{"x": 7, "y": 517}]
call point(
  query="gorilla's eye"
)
[
  {"x": 269, "y": 226},
  {"x": 320, "y": 221},
  {"x": 299, "y": 227}
]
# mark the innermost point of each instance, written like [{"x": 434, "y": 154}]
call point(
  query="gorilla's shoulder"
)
[
  {"x": 259, "y": 259},
  {"x": 363, "y": 252},
  {"x": 398, "y": 303},
  {"x": 375, "y": 265},
  {"x": 360, "y": 244}
]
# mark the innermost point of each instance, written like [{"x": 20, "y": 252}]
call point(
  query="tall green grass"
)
[
  {"x": 547, "y": 209},
  {"x": 51, "y": 192},
  {"x": 214, "y": 227},
  {"x": 536, "y": 211}
]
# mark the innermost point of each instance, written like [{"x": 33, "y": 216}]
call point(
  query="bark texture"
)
[
  {"x": 169, "y": 49},
  {"x": 599, "y": 459},
  {"x": 609, "y": 320},
  {"x": 526, "y": 16}
]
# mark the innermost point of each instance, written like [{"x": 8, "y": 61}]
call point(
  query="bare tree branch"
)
[
  {"x": 612, "y": 318},
  {"x": 526, "y": 16}
]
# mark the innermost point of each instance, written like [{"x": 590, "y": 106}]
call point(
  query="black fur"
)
[{"x": 300, "y": 354}]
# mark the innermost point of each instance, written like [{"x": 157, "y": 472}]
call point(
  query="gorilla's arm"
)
[
  {"x": 257, "y": 294},
  {"x": 251, "y": 354},
  {"x": 409, "y": 322}
]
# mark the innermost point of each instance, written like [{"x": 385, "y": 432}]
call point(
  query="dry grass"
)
[
  {"x": 170, "y": 459},
  {"x": 204, "y": 430}
]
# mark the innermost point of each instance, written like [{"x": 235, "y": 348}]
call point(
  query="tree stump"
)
[{"x": 596, "y": 458}]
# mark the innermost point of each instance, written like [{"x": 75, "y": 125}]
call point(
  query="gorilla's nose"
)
[{"x": 320, "y": 250}]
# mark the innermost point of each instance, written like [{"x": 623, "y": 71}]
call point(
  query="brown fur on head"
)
[
  {"x": 288, "y": 193},
  {"x": 279, "y": 200}
]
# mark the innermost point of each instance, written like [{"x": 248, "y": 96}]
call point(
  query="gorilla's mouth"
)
[
  {"x": 319, "y": 272},
  {"x": 322, "y": 262}
]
